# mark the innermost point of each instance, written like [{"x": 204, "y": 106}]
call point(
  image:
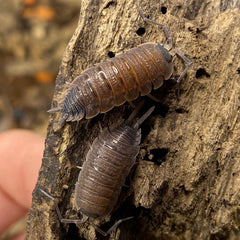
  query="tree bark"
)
[{"x": 187, "y": 182}]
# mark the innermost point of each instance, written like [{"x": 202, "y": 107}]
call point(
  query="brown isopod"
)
[
  {"x": 103, "y": 174},
  {"x": 122, "y": 78}
]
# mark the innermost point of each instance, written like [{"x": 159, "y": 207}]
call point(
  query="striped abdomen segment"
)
[
  {"x": 123, "y": 78},
  {"x": 103, "y": 174}
]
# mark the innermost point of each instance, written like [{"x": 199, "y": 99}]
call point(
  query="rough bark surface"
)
[{"x": 187, "y": 182}]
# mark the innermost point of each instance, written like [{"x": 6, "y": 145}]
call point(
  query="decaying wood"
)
[{"x": 187, "y": 182}]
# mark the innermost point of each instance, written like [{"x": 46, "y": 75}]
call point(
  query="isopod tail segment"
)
[
  {"x": 63, "y": 118},
  {"x": 61, "y": 219},
  {"x": 84, "y": 218},
  {"x": 169, "y": 45}
]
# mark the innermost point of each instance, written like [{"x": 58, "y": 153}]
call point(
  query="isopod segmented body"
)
[
  {"x": 122, "y": 78},
  {"x": 108, "y": 162},
  {"x": 103, "y": 174}
]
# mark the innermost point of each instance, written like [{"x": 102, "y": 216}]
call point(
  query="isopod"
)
[
  {"x": 122, "y": 78},
  {"x": 103, "y": 174}
]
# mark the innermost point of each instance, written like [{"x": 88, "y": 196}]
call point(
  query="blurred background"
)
[{"x": 33, "y": 37}]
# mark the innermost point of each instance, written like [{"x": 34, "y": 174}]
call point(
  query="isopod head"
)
[
  {"x": 164, "y": 52},
  {"x": 168, "y": 64}
]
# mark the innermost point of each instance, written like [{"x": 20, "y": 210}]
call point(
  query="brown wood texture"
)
[{"x": 187, "y": 182}]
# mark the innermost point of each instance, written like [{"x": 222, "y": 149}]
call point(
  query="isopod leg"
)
[
  {"x": 76, "y": 127},
  {"x": 88, "y": 122},
  {"x": 134, "y": 112},
  {"x": 100, "y": 127},
  {"x": 132, "y": 104},
  {"x": 188, "y": 63},
  {"x": 164, "y": 27},
  {"x": 60, "y": 122},
  {"x": 61, "y": 219},
  {"x": 186, "y": 60},
  {"x": 153, "y": 98},
  {"x": 115, "y": 225}
]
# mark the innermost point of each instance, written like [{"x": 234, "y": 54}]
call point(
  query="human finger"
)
[{"x": 20, "y": 158}]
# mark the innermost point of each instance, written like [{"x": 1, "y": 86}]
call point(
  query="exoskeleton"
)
[
  {"x": 103, "y": 174},
  {"x": 122, "y": 78}
]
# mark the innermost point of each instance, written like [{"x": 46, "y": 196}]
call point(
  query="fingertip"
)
[
  {"x": 10, "y": 211},
  {"x": 19, "y": 237},
  {"x": 21, "y": 152}
]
